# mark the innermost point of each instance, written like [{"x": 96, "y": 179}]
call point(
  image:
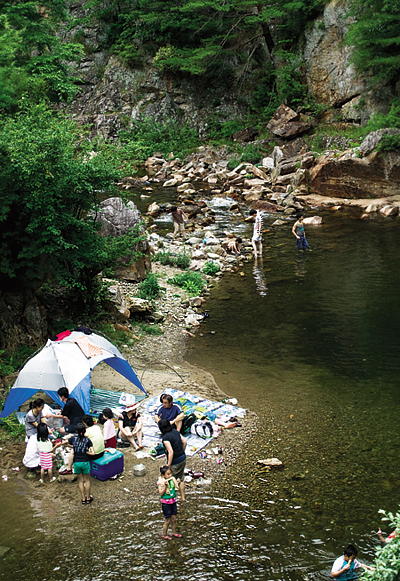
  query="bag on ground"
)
[{"x": 202, "y": 428}]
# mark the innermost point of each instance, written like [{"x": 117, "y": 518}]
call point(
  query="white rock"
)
[
  {"x": 313, "y": 220},
  {"x": 371, "y": 208},
  {"x": 170, "y": 183},
  {"x": 183, "y": 187},
  {"x": 268, "y": 162}
]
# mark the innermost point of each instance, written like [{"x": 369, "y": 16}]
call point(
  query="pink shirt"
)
[{"x": 109, "y": 430}]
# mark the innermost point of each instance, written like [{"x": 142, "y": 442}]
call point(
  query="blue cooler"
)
[{"x": 107, "y": 466}]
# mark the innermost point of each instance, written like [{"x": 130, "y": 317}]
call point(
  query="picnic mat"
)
[{"x": 190, "y": 404}]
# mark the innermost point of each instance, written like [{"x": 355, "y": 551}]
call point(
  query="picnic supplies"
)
[
  {"x": 110, "y": 464},
  {"x": 139, "y": 470},
  {"x": 203, "y": 429}
]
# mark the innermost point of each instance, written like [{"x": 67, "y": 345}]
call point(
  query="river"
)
[{"x": 310, "y": 342}]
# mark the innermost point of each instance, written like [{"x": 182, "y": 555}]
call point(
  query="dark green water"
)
[{"x": 310, "y": 342}]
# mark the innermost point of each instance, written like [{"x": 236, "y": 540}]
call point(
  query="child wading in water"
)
[
  {"x": 167, "y": 486},
  {"x": 45, "y": 448}
]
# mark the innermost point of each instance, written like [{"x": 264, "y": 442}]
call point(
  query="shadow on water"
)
[{"x": 309, "y": 341}]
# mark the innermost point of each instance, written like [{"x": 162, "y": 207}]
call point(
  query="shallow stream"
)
[{"x": 310, "y": 342}]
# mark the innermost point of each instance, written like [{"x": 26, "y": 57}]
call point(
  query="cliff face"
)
[
  {"x": 331, "y": 77},
  {"x": 114, "y": 94}
]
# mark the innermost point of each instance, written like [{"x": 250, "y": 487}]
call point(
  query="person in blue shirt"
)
[{"x": 169, "y": 411}]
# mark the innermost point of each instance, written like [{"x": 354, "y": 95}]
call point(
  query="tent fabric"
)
[{"x": 61, "y": 363}]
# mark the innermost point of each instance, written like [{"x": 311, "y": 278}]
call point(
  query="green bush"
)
[
  {"x": 149, "y": 287},
  {"x": 181, "y": 260},
  {"x": 387, "y": 559},
  {"x": 211, "y": 268},
  {"x": 165, "y": 257},
  {"x": 233, "y": 162},
  {"x": 150, "y": 329},
  {"x": 251, "y": 154},
  {"x": 11, "y": 425},
  {"x": 115, "y": 336},
  {"x": 192, "y": 282},
  {"x": 147, "y": 136}
]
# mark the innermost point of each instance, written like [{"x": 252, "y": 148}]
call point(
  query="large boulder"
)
[
  {"x": 116, "y": 218},
  {"x": 348, "y": 176},
  {"x": 285, "y": 123}
]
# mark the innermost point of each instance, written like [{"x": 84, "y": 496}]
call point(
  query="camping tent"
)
[{"x": 67, "y": 362}]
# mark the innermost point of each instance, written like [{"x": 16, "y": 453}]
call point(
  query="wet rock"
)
[
  {"x": 279, "y": 223},
  {"x": 313, "y": 220},
  {"x": 389, "y": 211},
  {"x": 371, "y": 208},
  {"x": 273, "y": 462},
  {"x": 170, "y": 183},
  {"x": 4, "y": 550},
  {"x": 183, "y": 187},
  {"x": 154, "y": 209}
]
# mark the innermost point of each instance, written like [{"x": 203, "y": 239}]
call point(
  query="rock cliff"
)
[{"x": 114, "y": 94}]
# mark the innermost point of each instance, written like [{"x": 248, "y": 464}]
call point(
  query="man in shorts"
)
[{"x": 178, "y": 219}]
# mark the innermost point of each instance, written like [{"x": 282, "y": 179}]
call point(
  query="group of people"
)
[{"x": 234, "y": 246}]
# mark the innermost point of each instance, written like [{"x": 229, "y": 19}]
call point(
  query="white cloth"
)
[{"x": 32, "y": 457}]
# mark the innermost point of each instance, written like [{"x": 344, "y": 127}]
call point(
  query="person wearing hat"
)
[{"x": 130, "y": 426}]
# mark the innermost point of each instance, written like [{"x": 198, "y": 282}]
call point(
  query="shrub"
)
[
  {"x": 192, "y": 282},
  {"x": 150, "y": 329},
  {"x": 211, "y": 268},
  {"x": 149, "y": 287},
  {"x": 11, "y": 425},
  {"x": 387, "y": 560},
  {"x": 233, "y": 162},
  {"x": 181, "y": 260},
  {"x": 251, "y": 154}
]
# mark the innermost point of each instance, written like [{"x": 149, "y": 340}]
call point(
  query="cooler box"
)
[{"x": 107, "y": 466}]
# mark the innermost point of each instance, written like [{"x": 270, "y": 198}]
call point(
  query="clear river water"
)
[{"x": 310, "y": 341}]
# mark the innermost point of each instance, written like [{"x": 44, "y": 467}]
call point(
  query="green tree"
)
[
  {"x": 33, "y": 60},
  {"x": 376, "y": 38},
  {"x": 49, "y": 190},
  {"x": 200, "y": 36}
]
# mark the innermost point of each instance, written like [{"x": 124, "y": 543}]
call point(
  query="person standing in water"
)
[
  {"x": 256, "y": 240},
  {"x": 298, "y": 231},
  {"x": 178, "y": 219}
]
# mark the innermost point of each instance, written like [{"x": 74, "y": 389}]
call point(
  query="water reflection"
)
[{"x": 259, "y": 277}]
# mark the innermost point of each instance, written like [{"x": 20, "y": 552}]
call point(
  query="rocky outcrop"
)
[
  {"x": 331, "y": 76},
  {"x": 348, "y": 176},
  {"x": 22, "y": 320},
  {"x": 116, "y": 218}
]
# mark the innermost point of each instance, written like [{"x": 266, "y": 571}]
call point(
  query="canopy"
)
[{"x": 67, "y": 363}]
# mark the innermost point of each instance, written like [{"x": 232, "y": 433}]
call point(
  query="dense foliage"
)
[
  {"x": 376, "y": 38},
  {"x": 387, "y": 560},
  {"x": 33, "y": 59},
  {"x": 201, "y": 36},
  {"x": 49, "y": 192}
]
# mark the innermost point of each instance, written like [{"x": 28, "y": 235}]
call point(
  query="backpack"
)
[
  {"x": 203, "y": 429},
  {"x": 187, "y": 423}
]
